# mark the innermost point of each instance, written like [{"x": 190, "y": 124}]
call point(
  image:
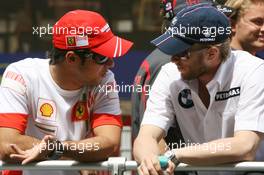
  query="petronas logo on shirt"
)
[{"x": 80, "y": 111}]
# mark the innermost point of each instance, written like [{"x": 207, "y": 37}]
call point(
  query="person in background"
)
[{"x": 247, "y": 25}]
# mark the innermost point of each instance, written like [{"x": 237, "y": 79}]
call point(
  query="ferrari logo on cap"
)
[{"x": 71, "y": 41}]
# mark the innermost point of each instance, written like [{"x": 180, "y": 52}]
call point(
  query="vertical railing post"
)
[{"x": 117, "y": 165}]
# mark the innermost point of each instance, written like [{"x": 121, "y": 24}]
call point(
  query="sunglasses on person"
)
[
  {"x": 185, "y": 55},
  {"x": 99, "y": 59}
]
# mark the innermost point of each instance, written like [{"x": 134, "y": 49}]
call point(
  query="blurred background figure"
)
[
  {"x": 24, "y": 28},
  {"x": 247, "y": 25}
]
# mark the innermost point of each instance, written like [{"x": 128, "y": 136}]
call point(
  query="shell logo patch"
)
[
  {"x": 80, "y": 111},
  {"x": 46, "y": 109}
]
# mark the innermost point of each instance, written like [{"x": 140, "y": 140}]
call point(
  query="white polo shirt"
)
[
  {"x": 31, "y": 102},
  {"x": 236, "y": 100}
]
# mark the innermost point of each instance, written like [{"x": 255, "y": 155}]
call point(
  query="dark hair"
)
[{"x": 57, "y": 56}]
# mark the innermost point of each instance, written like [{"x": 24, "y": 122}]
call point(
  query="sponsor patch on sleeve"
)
[
  {"x": 224, "y": 95},
  {"x": 14, "y": 81}
]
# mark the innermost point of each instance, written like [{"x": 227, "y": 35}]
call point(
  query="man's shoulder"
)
[
  {"x": 20, "y": 75},
  {"x": 245, "y": 60},
  {"x": 109, "y": 77},
  {"x": 28, "y": 63},
  {"x": 243, "y": 56},
  {"x": 152, "y": 64},
  {"x": 156, "y": 59}
]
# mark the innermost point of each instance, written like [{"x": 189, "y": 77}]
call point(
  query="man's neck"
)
[
  {"x": 63, "y": 78},
  {"x": 238, "y": 46},
  {"x": 204, "y": 94}
]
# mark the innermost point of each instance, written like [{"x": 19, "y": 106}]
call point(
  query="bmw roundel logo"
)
[{"x": 185, "y": 98}]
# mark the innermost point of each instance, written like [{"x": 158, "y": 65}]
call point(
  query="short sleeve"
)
[
  {"x": 106, "y": 109},
  {"x": 13, "y": 100},
  {"x": 250, "y": 113},
  {"x": 159, "y": 110}
]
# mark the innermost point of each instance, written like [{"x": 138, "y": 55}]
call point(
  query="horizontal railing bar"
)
[
  {"x": 129, "y": 165},
  {"x": 56, "y": 165},
  {"x": 241, "y": 166}
]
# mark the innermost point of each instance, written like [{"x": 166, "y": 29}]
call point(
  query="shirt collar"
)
[{"x": 223, "y": 74}]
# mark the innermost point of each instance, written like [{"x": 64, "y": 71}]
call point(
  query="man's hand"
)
[
  {"x": 150, "y": 166},
  {"x": 38, "y": 152}
]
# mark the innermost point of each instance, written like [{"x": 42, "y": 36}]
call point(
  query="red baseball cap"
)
[{"x": 82, "y": 29}]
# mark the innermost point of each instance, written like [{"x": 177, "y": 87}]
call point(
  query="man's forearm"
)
[
  {"x": 92, "y": 149},
  {"x": 216, "y": 152},
  {"x": 22, "y": 141},
  {"x": 145, "y": 146}
]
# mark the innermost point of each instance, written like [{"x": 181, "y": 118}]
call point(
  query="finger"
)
[
  {"x": 171, "y": 168},
  {"x": 156, "y": 165},
  {"x": 17, "y": 149},
  {"x": 142, "y": 170},
  {"x": 27, "y": 160},
  {"x": 49, "y": 137},
  {"x": 17, "y": 157},
  {"x": 150, "y": 168}
]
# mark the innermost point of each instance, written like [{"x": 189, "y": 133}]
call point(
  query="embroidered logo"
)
[
  {"x": 185, "y": 98},
  {"x": 46, "y": 110},
  {"x": 224, "y": 95},
  {"x": 80, "y": 111},
  {"x": 71, "y": 41}
]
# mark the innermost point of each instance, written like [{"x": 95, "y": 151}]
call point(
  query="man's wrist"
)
[
  {"x": 57, "y": 152},
  {"x": 172, "y": 157}
]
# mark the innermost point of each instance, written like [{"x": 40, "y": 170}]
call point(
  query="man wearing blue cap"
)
[
  {"x": 215, "y": 93},
  {"x": 149, "y": 70}
]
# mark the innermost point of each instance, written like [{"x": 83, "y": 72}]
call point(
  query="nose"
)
[
  {"x": 110, "y": 63},
  {"x": 262, "y": 28}
]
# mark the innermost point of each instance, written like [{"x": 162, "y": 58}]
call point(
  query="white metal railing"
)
[{"x": 118, "y": 165}]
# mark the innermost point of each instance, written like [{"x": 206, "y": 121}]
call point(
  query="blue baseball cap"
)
[{"x": 201, "y": 23}]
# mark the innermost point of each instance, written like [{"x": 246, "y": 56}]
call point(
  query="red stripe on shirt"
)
[
  {"x": 106, "y": 119},
  {"x": 146, "y": 66},
  {"x": 174, "y": 3},
  {"x": 8, "y": 172},
  {"x": 14, "y": 120}
]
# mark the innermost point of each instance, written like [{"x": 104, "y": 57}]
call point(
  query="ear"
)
[
  {"x": 70, "y": 57},
  {"x": 234, "y": 26},
  {"x": 213, "y": 53}
]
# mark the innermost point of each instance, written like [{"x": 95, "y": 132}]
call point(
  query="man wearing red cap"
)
[{"x": 61, "y": 108}]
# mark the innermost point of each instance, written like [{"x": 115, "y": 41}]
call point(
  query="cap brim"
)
[
  {"x": 115, "y": 47},
  {"x": 170, "y": 45}
]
